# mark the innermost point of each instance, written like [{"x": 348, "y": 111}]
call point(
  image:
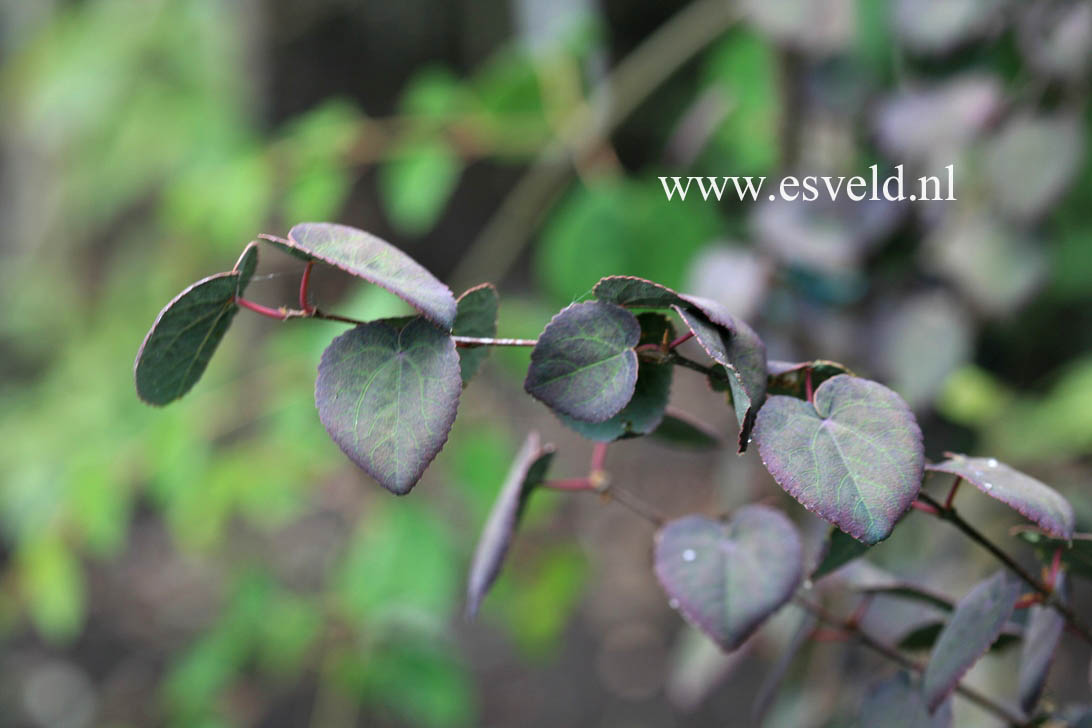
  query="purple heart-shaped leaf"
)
[
  {"x": 634, "y": 292},
  {"x": 528, "y": 470},
  {"x": 1033, "y": 499},
  {"x": 977, "y": 621},
  {"x": 645, "y": 409},
  {"x": 366, "y": 256},
  {"x": 854, "y": 456},
  {"x": 476, "y": 316},
  {"x": 727, "y": 578},
  {"x": 184, "y": 337},
  {"x": 736, "y": 347},
  {"x": 897, "y": 703},
  {"x": 387, "y": 392},
  {"x": 1044, "y": 630},
  {"x": 584, "y": 365}
]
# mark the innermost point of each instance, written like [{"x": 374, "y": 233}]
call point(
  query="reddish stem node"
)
[
  {"x": 258, "y": 308},
  {"x": 305, "y": 283},
  {"x": 598, "y": 457},
  {"x": 925, "y": 508}
]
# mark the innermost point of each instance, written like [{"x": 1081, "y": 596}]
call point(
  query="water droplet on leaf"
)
[
  {"x": 992, "y": 462},
  {"x": 689, "y": 555}
]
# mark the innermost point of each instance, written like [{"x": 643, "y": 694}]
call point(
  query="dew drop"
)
[
  {"x": 674, "y": 604},
  {"x": 992, "y": 462},
  {"x": 987, "y": 485},
  {"x": 808, "y": 583},
  {"x": 689, "y": 555}
]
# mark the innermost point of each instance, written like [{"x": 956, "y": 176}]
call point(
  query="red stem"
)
[
  {"x": 1055, "y": 567},
  {"x": 808, "y": 391},
  {"x": 829, "y": 635},
  {"x": 305, "y": 283},
  {"x": 569, "y": 484},
  {"x": 1028, "y": 600},
  {"x": 925, "y": 508},
  {"x": 952, "y": 492},
  {"x": 682, "y": 339},
  {"x": 598, "y": 457},
  {"x": 272, "y": 313}
]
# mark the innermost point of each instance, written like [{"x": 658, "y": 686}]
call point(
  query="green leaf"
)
[
  {"x": 854, "y": 456},
  {"x": 977, "y": 621},
  {"x": 373, "y": 259},
  {"x": 1042, "y": 634},
  {"x": 417, "y": 181},
  {"x": 528, "y": 470},
  {"x": 634, "y": 292},
  {"x": 839, "y": 550},
  {"x": 790, "y": 378},
  {"x": 184, "y": 337},
  {"x": 387, "y": 392},
  {"x": 584, "y": 364},
  {"x": 736, "y": 347},
  {"x": 646, "y": 408},
  {"x": 897, "y": 703},
  {"x": 246, "y": 265},
  {"x": 680, "y": 430},
  {"x": 476, "y": 316},
  {"x": 728, "y": 578},
  {"x": 1033, "y": 499}
]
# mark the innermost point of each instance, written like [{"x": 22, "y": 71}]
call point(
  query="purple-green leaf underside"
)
[
  {"x": 366, "y": 256},
  {"x": 727, "y": 578},
  {"x": 476, "y": 316},
  {"x": 854, "y": 457},
  {"x": 1033, "y": 499},
  {"x": 1041, "y": 636},
  {"x": 528, "y": 470},
  {"x": 897, "y": 703},
  {"x": 732, "y": 344},
  {"x": 184, "y": 337},
  {"x": 790, "y": 378},
  {"x": 584, "y": 364},
  {"x": 976, "y": 622},
  {"x": 645, "y": 409},
  {"x": 387, "y": 392}
]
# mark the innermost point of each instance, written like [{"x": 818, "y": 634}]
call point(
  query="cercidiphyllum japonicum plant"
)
[{"x": 846, "y": 448}]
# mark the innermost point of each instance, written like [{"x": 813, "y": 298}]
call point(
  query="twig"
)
[
  {"x": 650, "y": 64},
  {"x": 1004, "y": 713},
  {"x": 1050, "y": 598}
]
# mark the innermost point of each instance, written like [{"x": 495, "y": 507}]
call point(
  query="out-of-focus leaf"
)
[
  {"x": 897, "y": 703},
  {"x": 52, "y": 583},
  {"x": 1031, "y": 161},
  {"x": 645, "y": 409},
  {"x": 736, "y": 278},
  {"x": 928, "y": 124},
  {"x": 1044, "y": 630},
  {"x": 528, "y": 470},
  {"x": 290, "y": 628},
  {"x": 584, "y": 364},
  {"x": 938, "y": 26},
  {"x": 366, "y": 256},
  {"x": 476, "y": 316},
  {"x": 728, "y": 578},
  {"x": 698, "y": 666},
  {"x": 771, "y": 683},
  {"x": 976, "y": 623},
  {"x": 680, "y": 430},
  {"x": 387, "y": 392},
  {"x": 184, "y": 337},
  {"x": 838, "y": 550},
  {"x": 854, "y": 457},
  {"x": 417, "y": 181},
  {"x": 1032, "y": 498},
  {"x": 1056, "y": 38},
  {"x": 822, "y": 27}
]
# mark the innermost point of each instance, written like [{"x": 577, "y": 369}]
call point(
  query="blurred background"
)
[{"x": 220, "y": 563}]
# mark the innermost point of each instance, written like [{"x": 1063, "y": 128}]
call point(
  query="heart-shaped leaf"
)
[
  {"x": 854, "y": 456},
  {"x": 645, "y": 409},
  {"x": 584, "y": 364},
  {"x": 839, "y": 550},
  {"x": 732, "y": 344},
  {"x": 366, "y": 256},
  {"x": 387, "y": 392},
  {"x": 184, "y": 337},
  {"x": 634, "y": 292},
  {"x": 897, "y": 703},
  {"x": 528, "y": 470},
  {"x": 681, "y": 430},
  {"x": 727, "y": 578},
  {"x": 1033, "y": 499},
  {"x": 791, "y": 378},
  {"x": 977, "y": 621},
  {"x": 477, "y": 317},
  {"x": 1044, "y": 630}
]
